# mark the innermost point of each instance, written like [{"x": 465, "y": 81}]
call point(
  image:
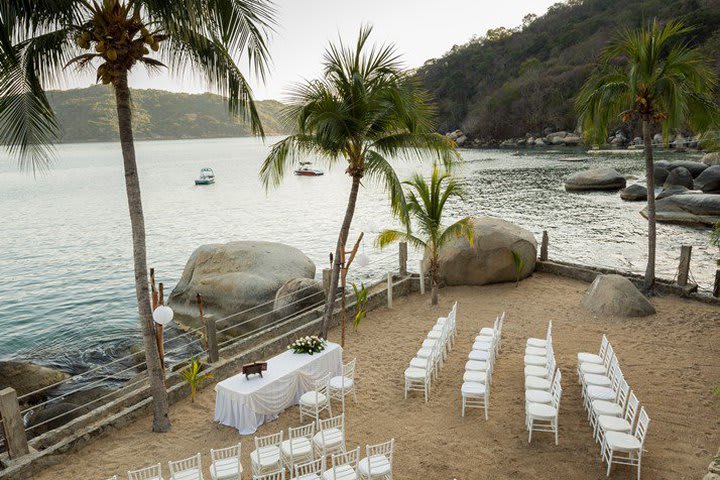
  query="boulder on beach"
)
[
  {"x": 297, "y": 294},
  {"x": 595, "y": 179},
  {"x": 634, "y": 193},
  {"x": 490, "y": 258},
  {"x": 695, "y": 168},
  {"x": 660, "y": 174},
  {"x": 690, "y": 209},
  {"x": 572, "y": 140},
  {"x": 236, "y": 276},
  {"x": 671, "y": 190},
  {"x": 55, "y": 415},
  {"x": 615, "y": 295},
  {"x": 709, "y": 180},
  {"x": 27, "y": 377},
  {"x": 712, "y": 158},
  {"x": 679, "y": 176}
]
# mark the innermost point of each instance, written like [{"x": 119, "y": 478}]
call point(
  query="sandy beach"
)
[{"x": 671, "y": 361}]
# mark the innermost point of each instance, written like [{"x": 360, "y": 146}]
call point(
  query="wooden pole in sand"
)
[
  {"x": 684, "y": 268},
  {"x": 159, "y": 329},
  {"x": 422, "y": 280},
  {"x": 403, "y": 258},
  {"x": 716, "y": 287},
  {"x": 389, "y": 289},
  {"x": 198, "y": 298},
  {"x": 544, "y": 246},
  {"x": 211, "y": 343},
  {"x": 12, "y": 422}
]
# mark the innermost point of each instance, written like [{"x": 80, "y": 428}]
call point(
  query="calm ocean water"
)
[{"x": 67, "y": 295}]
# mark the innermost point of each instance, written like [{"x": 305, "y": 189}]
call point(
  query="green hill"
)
[
  {"x": 513, "y": 81},
  {"x": 88, "y": 115}
]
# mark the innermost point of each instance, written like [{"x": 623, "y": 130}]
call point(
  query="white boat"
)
[
  {"x": 207, "y": 177},
  {"x": 306, "y": 170}
]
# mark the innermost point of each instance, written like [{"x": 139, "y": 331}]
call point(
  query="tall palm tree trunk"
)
[
  {"x": 435, "y": 283},
  {"x": 161, "y": 421},
  {"x": 342, "y": 241},
  {"x": 649, "y": 283}
]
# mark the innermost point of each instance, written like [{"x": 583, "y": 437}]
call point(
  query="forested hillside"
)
[
  {"x": 88, "y": 115},
  {"x": 512, "y": 81}
]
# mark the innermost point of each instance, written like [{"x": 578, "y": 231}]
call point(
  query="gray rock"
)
[
  {"x": 709, "y": 180},
  {"x": 660, "y": 174},
  {"x": 460, "y": 141},
  {"x": 634, "y": 193},
  {"x": 234, "y": 277},
  {"x": 690, "y": 209},
  {"x": 679, "y": 141},
  {"x": 572, "y": 140},
  {"x": 658, "y": 139},
  {"x": 670, "y": 191},
  {"x": 711, "y": 476},
  {"x": 45, "y": 417},
  {"x": 695, "y": 168},
  {"x": 490, "y": 259},
  {"x": 615, "y": 295},
  {"x": 297, "y": 294},
  {"x": 679, "y": 176},
  {"x": 539, "y": 142},
  {"x": 638, "y": 141},
  {"x": 712, "y": 158},
  {"x": 595, "y": 179},
  {"x": 27, "y": 377}
]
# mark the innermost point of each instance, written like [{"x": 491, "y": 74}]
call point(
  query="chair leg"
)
[
  {"x": 556, "y": 432},
  {"x": 609, "y": 463},
  {"x": 639, "y": 462},
  {"x": 463, "y": 406},
  {"x": 530, "y": 425}
]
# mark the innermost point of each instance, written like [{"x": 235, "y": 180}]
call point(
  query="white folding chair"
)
[
  {"x": 344, "y": 466},
  {"x": 186, "y": 469},
  {"x": 614, "y": 407},
  {"x": 625, "y": 449},
  {"x": 611, "y": 423},
  {"x": 153, "y": 472},
  {"x": 587, "y": 357},
  {"x": 276, "y": 475},
  {"x": 344, "y": 385},
  {"x": 418, "y": 379},
  {"x": 541, "y": 342},
  {"x": 543, "y": 396},
  {"x": 312, "y": 470},
  {"x": 378, "y": 461},
  {"x": 476, "y": 395},
  {"x": 594, "y": 392},
  {"x": 331, "y": 437},
  {"x": 538, "y": 360},
  {"x": 316, "y": 401},
  {"x": 540, "y": 417},
  {"x": 225, "y": 463},
  {"x": 266, "y": 456},
  {"x": 544, "y": 371},
  {"x": 298, "y": 448},
  {"x": 598, "y": 368}
]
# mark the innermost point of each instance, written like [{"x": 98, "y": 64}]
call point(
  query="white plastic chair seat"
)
[
  {"x": 414, "y": 373},
  {"x": 620, "y": 441},
  {"x": 300, "y": 447},
  {"x": 534, "y": 360},
  {"x": 474, "y": 376},
  {"x": 225, "y": 468},
  {"x": 424, "y": 352},
  {"x": 441, "y": 320},
  {"x": 342, "y": 472},
  {"x": 536, "y": 371},
  {"x": 438, "y": 327},
  {"x": 606, "y": 408},
  {"x": 191, "y": 474},
  {"x": 487, "y": 331},
  {"x": 379, "y": 463},
  {"x": 585, "y": 357},
  {"x": 484, "y": 338},
  {"x": 541, "y": 411},
  {"x": 592, "y": 369},
  {"x": 597, "y": 380},
  {"x": 329, "y": 438},
  {"x": 473, "y": 389},
  {"x": 434, "y": 334},
  {"x": 420, "y": 363},
  {"x": 266, "y": 456},
  {"x": 341, "y": 383},
  {"x": 536, "y": 342},
  {"x": 476, "y": 365},
  {"x": 313, "y": 398},
  {"x": 309, "y": 476},
  {"x": 478, "y": 355},
  {"x": 537, "y": 383},
  {"x": 536, "y": 351},
  {"x": 482, "y": 346},
  {"x": 600, "y": 393},
  {"x": 538, "y": 396},
  {"x": 429, "y": 343},
  {"x": 614, "y": 424}
]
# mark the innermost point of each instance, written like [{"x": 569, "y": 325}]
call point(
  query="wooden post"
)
[
  {"x": 198, "y": 298},
  {"x": 389, "y": 289},
  {"x": 327, "y": 273},
  {"x": 403, "y": 258},
  {"x": 159, "y": 330},
  {"x": 213, "y": 352},
  {"x": 716, "y": 287},
  {"x": 422, "y": 280},
  {"x": 684, "y": 268},
  {"x": 544, "y": 246},
  {"x": 154, "y": 293},
  {"x": 12, "y": 422}
]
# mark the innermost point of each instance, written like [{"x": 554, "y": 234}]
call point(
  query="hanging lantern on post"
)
[{"x": 163, "y": 315}]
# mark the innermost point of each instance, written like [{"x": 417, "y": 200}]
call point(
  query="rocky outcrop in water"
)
[
  {"x": 297, "y": 294},
  {"x": 679, "y": 176},
  {"x": 595, "y": 179},
  {"x": 27, "y": 377},
  {"x": 615, "y": 295},
  {"x": 690, "y": 209},
  {"x": 709, "y": 180},
  {"x": 634, "y": 193},
  {"x": 671, "y": 190}
]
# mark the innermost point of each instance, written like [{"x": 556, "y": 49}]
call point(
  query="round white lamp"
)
[{"x": 163, "y": 315}]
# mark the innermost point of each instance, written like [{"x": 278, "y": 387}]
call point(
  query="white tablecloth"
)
[{"x": 248, "y": 403}]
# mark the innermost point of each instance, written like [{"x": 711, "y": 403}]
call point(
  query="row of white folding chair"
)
[
  {"x": 318, "y": 400},
  {"x": 543, "y": 388},
  {"x": 612, "y": 408},
  {"x": 225, "y": 465},
  {"x": 475, "y": 390}
]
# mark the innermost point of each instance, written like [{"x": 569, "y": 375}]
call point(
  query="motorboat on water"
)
[
  {"x": 207, "y": 177},
  {"x": 306, "y": 170}
]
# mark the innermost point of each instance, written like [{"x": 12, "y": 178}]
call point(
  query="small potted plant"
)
[{"x": 308, "y": 344}]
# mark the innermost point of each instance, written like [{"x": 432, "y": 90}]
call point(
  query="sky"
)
[{"x": 421, "y": 30}]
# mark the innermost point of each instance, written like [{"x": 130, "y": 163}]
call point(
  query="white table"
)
[{"x": 248, "y": 403}]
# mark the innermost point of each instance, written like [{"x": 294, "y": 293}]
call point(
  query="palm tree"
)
[
  {"x": 39, "y": 39},
  {"x": 425, "y": 205},
  {"x": 653, "y": 76},
  {"x": 363, "y": 111}
]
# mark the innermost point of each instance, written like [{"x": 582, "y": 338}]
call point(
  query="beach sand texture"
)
[{"x": 671, "y": 360}]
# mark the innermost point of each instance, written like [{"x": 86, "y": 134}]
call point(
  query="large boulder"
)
[
  {"x": 691, "y": 209},
  {"x": 695, "y": 168},
  {"x": 595, "y": 179},
  {"x": 490, "y": 258},
  {"x": 234, "y": 277},
  {"x": 616, "y": 296},
  {"x": 572, "y": 140},
  {"x": 297, "y": 294},
  {"x": 634, "y": 193},
  {"x": 55, "y": 415},
  {"x": 679, "y": 176},
  {"x": 712, "y": 158},
  {"x": 660, "y": 174},
  {"x": 27, "y": 377},
  {"x": 671, "y": 190},
  {"x": 709, "y": 180}
]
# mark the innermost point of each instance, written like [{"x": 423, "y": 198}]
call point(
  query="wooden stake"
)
[
  {"x": 684, "y": 267},
  {"x": 403, "y": 258},
  {"x": 422, "y": 280},
  {"x": 159, "y": 330},
  {"x": 389, "y": 289},
  {"x": 544, "y": 246},
  {"x": 327, "y": 273},
  {"x": 12, "y": 422},
  {"x": 716, "y": 287},
  {"x": 198, "y": 297}
]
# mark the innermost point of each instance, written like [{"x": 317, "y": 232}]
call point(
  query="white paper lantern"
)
[
  {"x": 163, "y": 315},
  {"x": 362, "y": 260}
]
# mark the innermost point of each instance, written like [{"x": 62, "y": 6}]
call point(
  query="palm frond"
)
[
  {"x": 379, "y": 170},
  {"x": 386, "y": 237},
  {"x": 283, "y": 156},
  {"x": 464, "y": 228}
]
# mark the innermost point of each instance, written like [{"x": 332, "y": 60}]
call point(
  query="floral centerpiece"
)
[{"x": 309, "y": 345}]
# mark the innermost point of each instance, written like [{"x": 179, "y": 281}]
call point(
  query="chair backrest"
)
[
  {"x": 337, "y": 422},
  {"x": 351, "y": 458},
  {"x": 632, "y": 408},
  {"x": 556, "y": 385},
  {"x": 187, "y": 464},
  {"x": 622, "y": 394},
  {"x": 551, "y": 359},
  {"x": 385, "y": 449},
  {"x": 642, "y": 426},
  {"x": 279, "y": 475},
  {"x": 146, "y": 473},
  {"x": 548, "y": 336},
  {"x": 273, "y": 440},
  {"x": 603, "y": 346},
  {"x": 321, "y": 385},
  {"x": 500, "y": 325},
  {"x": 303, "y": 431},
  {"x": 556, "y": 391},
  {"x": 617, "y": 379},
  {"x": 608, "y": 358},
  {"x": 315, "y": 467},
  {"x": 228, "y": 453},
  {"x": 348, "y": 369}
]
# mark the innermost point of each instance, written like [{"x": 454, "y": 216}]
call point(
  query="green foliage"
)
[
  {"x": 715, "y": 238},
  {"x": 193, "y": 376},
  {"x": 519, "y": 263},
  {"x": 361, "y": 295}
]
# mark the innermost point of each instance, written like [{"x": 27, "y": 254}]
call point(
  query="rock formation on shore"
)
[
  {"x": 595, "y": 179},
  {"x": 688, "y": 208},
  {"x": 615, "y": 295}
]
